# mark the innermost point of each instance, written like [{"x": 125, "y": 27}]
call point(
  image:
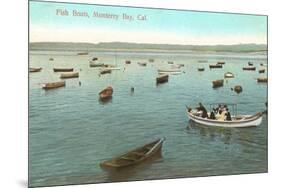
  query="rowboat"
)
[
  {"x": 51, "y": 59},
  {"x": 82, "y": 53},
  {"x": 181, "y": 65},
  {"x": 94, "y": 59},
  {"x": 249, "y": 68},
  {"x": 162, "y": 78},
  {"x": 151, "y": 60},
  {"x": 105, "y": 71},
  {"x": 250, "y": 64},
  {"x": 221, "y": 63},
  {"x": 63, "y": 69},
  {"x": 217, "y": 83},
  {"x": 261, "y": 64},
  {"x": 262, "y": 80},
  {"x": 106, "y": 93},
  {"x": 95, "y": 64},
  {"x": 70, "y": 75},
  {"x": 35, "y": 69},
  {"x": 216, "y": 66},
  {"x": 238, "y": 89},
  {"x": 142, "y": 64},
  {"x": 261, "y": 70},
  {"x": 127, "y": 62},
  {"x": 201, "y": 69},
  {"x": 53, "y": 85},
  {"x": 170, "y": 70},
  {"x": 134, "y": 156},
  {"x": 170, "y": 62},
  {"x": 236, "y": 121},
  {"x": 228, "y": 75}
]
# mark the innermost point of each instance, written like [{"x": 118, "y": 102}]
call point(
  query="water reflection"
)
[
  {"x": 123, "y": 174},
  {"x": 105, "y": 100}
]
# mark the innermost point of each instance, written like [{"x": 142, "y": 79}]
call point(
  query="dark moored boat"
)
[
  {"x": 261, "y": 70},
  {"x": 127, "y": 62},
  {"x": 201, "y": 69},
  {"x": 151, "y": 60},
  {"x": 51, "y": 59},
  {"x": 217, "y": 66},
  {"x": 35, "y": 69},
  {"x": 250, "y": 64},
  {"x": 238, "y": 89},
  {"x": 63, "y": 69},
  {"x": 217, "y": 83},
  {"x": 162, "y": 78},
  {"x": 105, "y": 71},
  {"x": 135, "y": 156},
  {"x": 53, "y": 85},
  {"x": 220, "y": 63},
  {"x": 249, "y": 68},
  {"x": 170, "y": 62},
  {"x": 82, "y": 53},
  {"x": 262, "y": 80},
  {"x": 142, "y": 64},
  {"x": 106, "y": 93},
  {"x": 261, "y": 64},
  {"x": 94, "y": 59},
  {"x": 70, "y": 75}
]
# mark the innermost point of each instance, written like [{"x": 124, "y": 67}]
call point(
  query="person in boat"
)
[
  {"x": 203, "y": 110},
  {"x": 228, "y": 116},
  {"x": 212, "y": 115}
]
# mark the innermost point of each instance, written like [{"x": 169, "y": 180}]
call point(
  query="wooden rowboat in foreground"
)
[
  {"x": 35, "y": 69},
  {"x": 63, "y": 69},
  {"x": 217, "y": 83},
  {"x": 53, "y": 85},
  {"x": 134, "y": 156},
  {"x": 70, "y": 75}
]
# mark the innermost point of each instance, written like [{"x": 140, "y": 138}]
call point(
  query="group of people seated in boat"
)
[{"x": 220, "y": 113}]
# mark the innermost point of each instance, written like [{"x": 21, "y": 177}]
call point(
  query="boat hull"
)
[
  {"x": 250, "y": 122},
  {"x": 63, "y": 69}
]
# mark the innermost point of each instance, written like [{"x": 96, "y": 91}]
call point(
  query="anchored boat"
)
[
  {"x": 216, "y": 66},
  {"x": 35, "y": 69},
  {"x": 63, "y": 69},
  {"x": 70, "y": 75},
  {"x": 106, "y": 93},
  {"x": 134, "y": 156},
  {"x": 249, "y": 68},
  {"x": 228, "y": 75},
  {"x": 217, "y": 83},
  {"x": 162, "y": 78},
  {"x": 53, "y": 85}
]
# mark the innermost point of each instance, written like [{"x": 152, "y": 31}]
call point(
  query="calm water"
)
[{"x": 71, "y": 132}]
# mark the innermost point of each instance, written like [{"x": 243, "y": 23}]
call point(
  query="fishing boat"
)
[
  {"x": 53, "y": 85},
  {"x": 261, "y": 64},
  {"x": 236, "y": 120},
  {"x": 262, "y": 80},
  {"x": 238, "y": 89},
  {"x": 170, "y": 62},
  {"x": 82, "y": 53},
  {"x": 142, "y": 64},
  {"x": 201, "y": 69},
  {"x": 106, "y": 93},
  {"x": 250, "y": 64},
  {"x": 169, "y": 70},
  {"x": 151, "y": 60},
  {"x": 127, "y": 62},
  {"x": 95, "y": 64},
  {"x": 134, "y": 156},
  {"x": 162, "y": 78},
  {"x": 202, "y": 61},
  {"x": 228, "y": 75},
  {"x": 105, "y": 71},
  {"x": 217, "y": 83},
  {"x": 35, "y": 69},
  {"x": 70, "y": 75},
  {"x": 94, "y": 59},
  {"x": 262, "y": 71},
  {"x": 51, "y": 59},
  {"x": 221, "y": 63},
  {"x": 63, "y": 69},
  {"x": 249, "y": 68},
  {"x": 216, "y": 66}
]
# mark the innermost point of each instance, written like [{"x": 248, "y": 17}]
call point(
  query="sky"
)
[{"x": 55, "y": 22}]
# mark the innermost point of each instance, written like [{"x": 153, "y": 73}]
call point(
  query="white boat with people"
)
[{"x": 220, "y": 116}]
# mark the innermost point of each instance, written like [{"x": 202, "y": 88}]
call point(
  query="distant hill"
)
[{"x": 67, "y": 46}]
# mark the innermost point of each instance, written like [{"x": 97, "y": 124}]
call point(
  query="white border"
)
[{"x": 13, "y": 126}]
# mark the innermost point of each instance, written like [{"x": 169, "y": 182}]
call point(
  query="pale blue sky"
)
[{"x": 161, "y": 26}]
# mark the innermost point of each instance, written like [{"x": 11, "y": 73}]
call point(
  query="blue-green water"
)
[{"x": 71, "y": 132}]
